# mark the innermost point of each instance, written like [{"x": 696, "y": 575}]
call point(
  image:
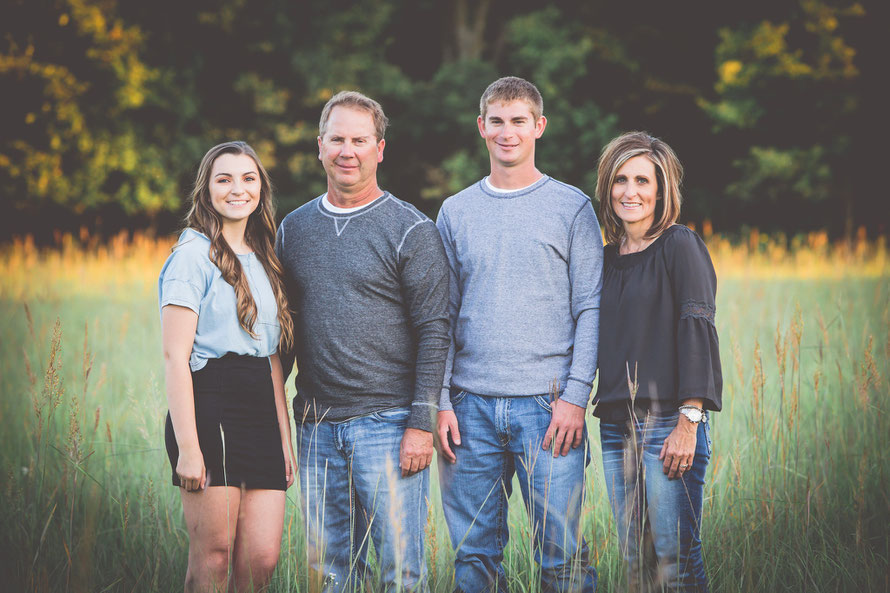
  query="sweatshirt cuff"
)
[
  {"x": 445, "y": 400},
  {"x": 577, "y": 393},
  {"x": 422, "y": 416}
]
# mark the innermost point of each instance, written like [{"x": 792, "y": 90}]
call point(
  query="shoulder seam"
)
[
  {"x": 573, "y": 189},
  {"x": 410, "y": 208},
  {"x": 575, "y": 221},
  {"x": 405, "y": 236}
]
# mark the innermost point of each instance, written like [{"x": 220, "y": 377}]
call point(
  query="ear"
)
[
  {"x": 380, "y": 146},
  {"x": 539, "y": 126},
  {"x": 319, "y": 148},
  {"x": 481, "y": 123}
]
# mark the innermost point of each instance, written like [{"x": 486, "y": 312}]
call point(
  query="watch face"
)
[{"x": 693, "y": 415}]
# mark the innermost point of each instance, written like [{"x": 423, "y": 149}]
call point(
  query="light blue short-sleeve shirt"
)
[{"x": 189, "y": 279}]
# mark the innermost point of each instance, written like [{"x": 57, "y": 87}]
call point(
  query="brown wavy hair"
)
[
  {"x": 259, "y": 234},
  {"x": 668, "y": 173}
]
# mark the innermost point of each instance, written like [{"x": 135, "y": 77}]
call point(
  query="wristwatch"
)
[{"x": 693, "y": 414}]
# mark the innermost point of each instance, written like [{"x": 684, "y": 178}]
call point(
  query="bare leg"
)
[
  {"x": 211, "y": 516},
  {"x": 258, "y": 543}
]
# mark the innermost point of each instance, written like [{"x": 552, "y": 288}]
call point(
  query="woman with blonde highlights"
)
[
  {"x": 659, "y": 364},
  {"x": 223, "y": 316}
]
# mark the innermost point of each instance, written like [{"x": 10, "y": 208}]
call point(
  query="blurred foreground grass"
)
[{"x": 797, "y": 498}]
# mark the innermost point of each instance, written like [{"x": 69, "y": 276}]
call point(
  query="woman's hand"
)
[
  {"x": 190, "y": 469},
  {"x": 678, "y": 449},
  {"x": 290, "y": 463},
  {"x": 287, "y": 445}
]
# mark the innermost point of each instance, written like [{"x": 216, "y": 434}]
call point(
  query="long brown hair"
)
[
  {"x": 668, "y": 173},
  {"x": 259, "y": 234}
]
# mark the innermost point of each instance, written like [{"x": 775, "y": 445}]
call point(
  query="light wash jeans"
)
[
  {"x": 658, "y": 520},
  {"x": 352, "y": 491},
  {"x": 501, "y": 436}
]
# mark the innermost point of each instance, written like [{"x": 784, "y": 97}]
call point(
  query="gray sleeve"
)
[
  {"x": 424, "y": 274},
  {"x": 453, "y": 306},
  {"x": 586, "y": 278}
]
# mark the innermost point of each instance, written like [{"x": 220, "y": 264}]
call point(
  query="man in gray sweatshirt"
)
[
  {"x": 367, "y": 279},
  {"x": 525, "y": 253}
]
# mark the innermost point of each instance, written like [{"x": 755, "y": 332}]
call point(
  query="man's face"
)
[
  {"x": 510, "y": 130},
  {"x": 349, "y": 150}
]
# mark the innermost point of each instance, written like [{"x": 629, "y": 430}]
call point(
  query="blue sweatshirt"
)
[{"x": 526, "y": 274}]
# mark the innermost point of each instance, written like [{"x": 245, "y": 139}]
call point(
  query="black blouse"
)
[{"x": 657, "y": 325}]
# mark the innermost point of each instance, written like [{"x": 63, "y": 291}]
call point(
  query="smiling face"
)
[
  {"x": 235, "y": 187},
  {"x": 510, "y": 130},
  {"x": 635, "y": 192},
  {"x": 350, "y": 152}
]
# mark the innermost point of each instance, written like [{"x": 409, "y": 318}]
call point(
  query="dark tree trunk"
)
[{"x": 467, "y": 35}]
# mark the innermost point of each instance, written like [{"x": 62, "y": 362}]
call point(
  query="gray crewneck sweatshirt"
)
[
  {"x": 369, "y": 291},
  {"x": 526, "y": 274}
]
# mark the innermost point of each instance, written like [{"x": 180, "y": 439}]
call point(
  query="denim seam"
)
[{"x": 501, "y": 544}]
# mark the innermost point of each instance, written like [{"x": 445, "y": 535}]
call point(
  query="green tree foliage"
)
[
  {"x": 114, "y": 103},
  {"x": 787, "y": 88},
  {"x": 71, "y": 134},
  {"x": 557, "y": 56}
]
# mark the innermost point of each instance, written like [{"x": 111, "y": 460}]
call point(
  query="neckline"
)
[
  {"x": 330, "y": 207},
  {"x": 631, "y": 258},
  {"x": 509, "y": 195},
  {"x": 357, "y": 212},
  {"x": 190, "y": 230},
  {"x": 499, "y": 190}
]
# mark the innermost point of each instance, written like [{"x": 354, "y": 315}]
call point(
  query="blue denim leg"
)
[
  {"x": 475, "y": 491},
  {"x": 553, "y": 491},
  {"x": 335, "y": 533},
  {"x": 658, "y": 520},
  {"x": 500, "y": 436},
  {"x": 350, "y": 479},
  {"x": 397, "y": 506}
]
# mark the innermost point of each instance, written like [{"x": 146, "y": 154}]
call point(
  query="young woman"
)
[
  {"x": 659, "y": 364},
  {"x": 223, "y": 315}
]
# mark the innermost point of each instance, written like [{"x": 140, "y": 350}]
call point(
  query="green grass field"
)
[{"x": 798, "y": 497}]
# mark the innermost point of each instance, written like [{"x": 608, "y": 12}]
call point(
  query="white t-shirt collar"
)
[
  {"x": 338, "y": 210},
  {"x": 499, "y": 190}
]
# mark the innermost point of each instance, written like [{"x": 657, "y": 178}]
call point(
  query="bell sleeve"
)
[{"x": 694, "y": 289}]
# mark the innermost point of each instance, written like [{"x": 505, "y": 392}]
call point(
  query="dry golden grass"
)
[{"x": 128, "y": 263}]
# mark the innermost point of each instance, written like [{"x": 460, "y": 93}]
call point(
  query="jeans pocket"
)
[
  {"x": 393, "y": 415},
  {"x": 457, "y": 396},
  {"x": 544, "y": 402},
  {"x": 708, "y": 438}
]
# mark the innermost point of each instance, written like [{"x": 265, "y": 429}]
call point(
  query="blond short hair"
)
[{"x": 512, "y": 88}]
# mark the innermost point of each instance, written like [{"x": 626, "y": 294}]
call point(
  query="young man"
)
[
  {"x": 526, "y": 268},
  {"x": 367, "y": 279}
]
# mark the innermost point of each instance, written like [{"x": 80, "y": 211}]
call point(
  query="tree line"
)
[{"x": 110, "y": 104}]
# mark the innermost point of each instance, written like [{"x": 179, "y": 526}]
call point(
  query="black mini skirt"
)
[{"x": 237, "y": 424}]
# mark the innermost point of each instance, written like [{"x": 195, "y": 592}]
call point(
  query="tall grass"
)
[{"x": 797, "y": 494}]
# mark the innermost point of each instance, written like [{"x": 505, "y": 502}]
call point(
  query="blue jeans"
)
[
  {"x": 501, "y": 436},
  {"x": 350, "y": 481},
  {"x": 658, "y": 520}
]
